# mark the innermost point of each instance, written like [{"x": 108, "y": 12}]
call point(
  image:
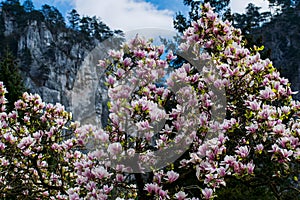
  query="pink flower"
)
[
  {"x": 183, "y": 46},
  {"x": 120, "y": 72},
  {"x": 2, "y": 146},
  {"x": 116, "y": 54},
  {"x": 37, "y": 134},
  {"x": 91, "y": 185},
  {"x": 148, "y": 135},
  {"x": 12, "y": 115},
  {"x": 279, "y": 129},
  {"x": 127, "y": 62},
  {"x": 207, "y": 193},
  {"x": 73, "y": 195},
  {"x": 275, "y": 148},
  {"x": 163, "y": 194},
  {"x": 254, "y": 105},
  {"x": 152, "y": 187},
  {"x": 286, "y": 153},
  {"x": 229, "y": 160},
  {"x": 110, "y": 80},
  {"x": 267, "y": 93},
  {"x": 26, "y": 119},
  {"x": 172, "y": 176},
  {"x": 143, "y": 125},
  {"x": 257, "y": 67},
  {"x": 152, "y": 55},
  {"x": 250, "y": 168},
  {"x": 259, "y": 148},
  {"x": 87, "y": 173},
  {"x": 209, "y": 44},
  {"x": 243, "y": 151},
  {"x": 25, "y": 142},
  {"x": 68, "y": 144},
  {"x": 27, "y": 152},
  {"x": 4, "y": 162},
  {"x": 102, "y": 63},
  {"x": 160, "y": 49},
  {"x": 102, "y": 136},
  {"x": 180, "y": 195},
  {"x": 19, "y": 104},
  {"x": 119, "y": 178},
  {"x": 100, "y": 172},
  {"x": 221, "y": 171},
  {"x": 252, "y": 128},
  {"x": 107, "y": 189},
  {"x": 170, "y": 56},
  {"x": 140, "y": 53},
  {"x": 56, "y": 146},
  {"x": 45, "y": 194},
  {"x": 285, "y": 109},
  {"x": 114, "y": 148}
]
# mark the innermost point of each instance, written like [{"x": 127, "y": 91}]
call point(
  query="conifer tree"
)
[
  {"x": 28, "y": 5},
  {"x": 74, "y": 19},
  {"x": 10, "y": 76}
]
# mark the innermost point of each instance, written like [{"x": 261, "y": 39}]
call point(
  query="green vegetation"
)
[
  {"x": 79, "y": 29},
  {"x": 10, "y": 76}
]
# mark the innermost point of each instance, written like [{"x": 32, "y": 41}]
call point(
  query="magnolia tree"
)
[{"x": 224, "y": 115}]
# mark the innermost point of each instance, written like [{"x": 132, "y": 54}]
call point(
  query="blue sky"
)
[{"x": 133, "y": 14}]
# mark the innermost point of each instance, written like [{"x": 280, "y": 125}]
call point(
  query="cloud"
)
[
  {"x": 238, "y": 6},
  {"x": 126, "y": 15}
]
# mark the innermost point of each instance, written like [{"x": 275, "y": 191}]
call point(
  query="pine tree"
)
[
  {"x": 85, "y": 25},
  {"x": 52, "y": 16},
  {"x": 10, "y": 76},
  {"x": 12, "y": 2},
  {"x": 28, "y": 5},
  {"x": 74, "y": 19}
]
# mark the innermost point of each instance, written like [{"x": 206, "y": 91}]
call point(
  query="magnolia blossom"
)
[
  {"x": 243, "y": 151},
  {"x": 152, "y": 187},
  {"x": 114, "y": 148},
  {"x": 172, "y": 176},
  {"x": 26, "y": 142},
  {"x": 181, "y": 195},
  {"x": 207, "y": 193},
  {"x": 100, "y": 172}
]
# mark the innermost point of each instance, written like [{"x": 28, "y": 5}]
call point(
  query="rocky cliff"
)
[
  {"x": 61, "y": 66},
  {"x": 282, "y": 36}
]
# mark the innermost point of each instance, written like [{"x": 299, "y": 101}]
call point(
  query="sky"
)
[{"x": 129, "y": 15}]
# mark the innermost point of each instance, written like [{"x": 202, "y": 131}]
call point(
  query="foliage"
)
[
  {"x": 52, "y": 16},
  {"x": 250, "y": 21},
  {"x": 282, "y": 5},
  {"x": 10, "y": 76},
  {"x": 14, "y": 8},
  {"x": 17, "y": 19},
  {"x": 74, "y": 19},
  {"x": 256, "y": 142},
  {"x": 28, "y": 5},
  {"x": 90, "y": 27}
]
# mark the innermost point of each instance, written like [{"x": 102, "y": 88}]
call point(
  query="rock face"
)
[
  {"x": 63, "y": 70},
  {"x": 88, "y": 97},
  {"x": 282, "y": 36}
]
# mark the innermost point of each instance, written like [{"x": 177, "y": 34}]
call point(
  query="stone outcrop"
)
[
  {"x": 282, "y": 37},
  {"x": 63, "y": 69}
]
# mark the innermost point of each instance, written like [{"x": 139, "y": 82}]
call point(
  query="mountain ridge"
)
[{"x": 58, "y": 62}]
